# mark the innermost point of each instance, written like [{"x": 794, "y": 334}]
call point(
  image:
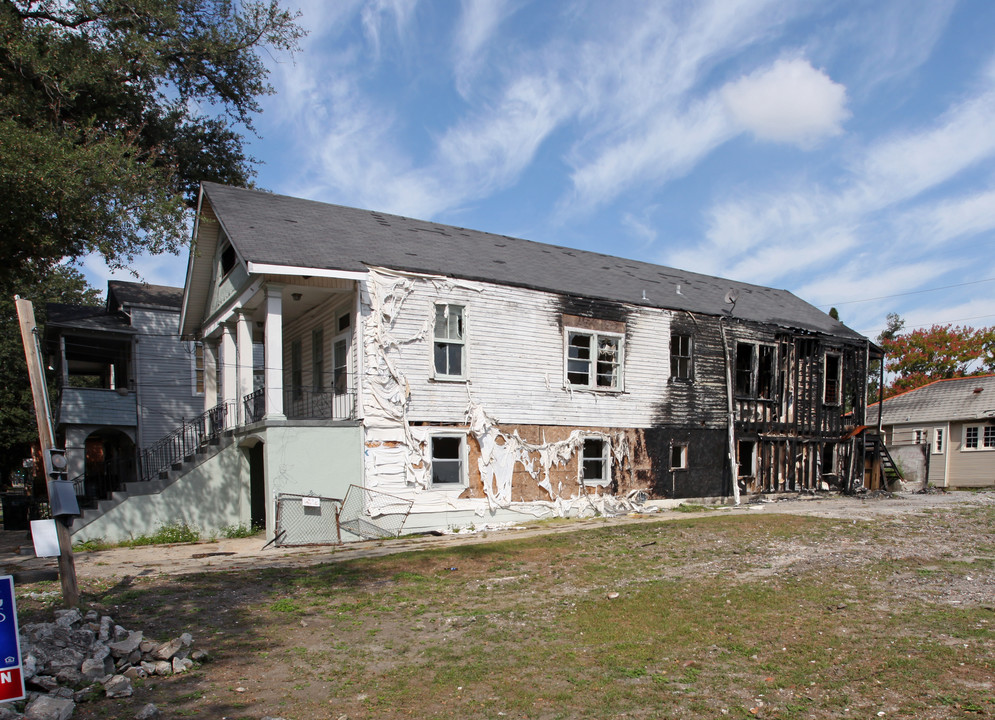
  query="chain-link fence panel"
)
[
  {"x": 306, "y": 520},
  {"x": 371, "y": 514}
]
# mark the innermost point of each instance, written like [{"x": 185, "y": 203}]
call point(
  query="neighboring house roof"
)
[
  {"x": 969, "y": 398},
  {"x": 285, "y": 231},
  {"x": 85, "y": 317},
  {"x": 120, "y": 293}
]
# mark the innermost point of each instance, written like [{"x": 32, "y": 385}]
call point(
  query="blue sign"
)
[{"x": 11, "y": 681}]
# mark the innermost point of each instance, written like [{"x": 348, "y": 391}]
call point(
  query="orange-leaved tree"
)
[{"x": 921, "y": 356}]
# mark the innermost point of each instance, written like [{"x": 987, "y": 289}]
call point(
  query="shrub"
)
[{"x": 175, "y": 532}]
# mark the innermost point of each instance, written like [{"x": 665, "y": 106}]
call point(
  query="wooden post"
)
[{"x": 39, "y": 393}]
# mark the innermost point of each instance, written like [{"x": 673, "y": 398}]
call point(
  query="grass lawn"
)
[{"x": 708, "y": 616}]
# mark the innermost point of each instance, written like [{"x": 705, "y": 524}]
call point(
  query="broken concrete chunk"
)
[
  {"x": 93, "y": 669},
  {"x": 163, "y": 667},
  {"x": 148, "y": 712},
  {"x": 181, "y": 665},
  {"x": 135, "y": 672},
  {"x": 91, "y": 616},
  {"x": 186, "y": 639},
  {"x": 47, "y": 707},
  {"x": 167, "y": 650},
  {"x": 48, "y": 683},
  {"x": 104, "y": 634},
  {"x": 119, "y": 633},
  {"x": 200, "y": 656},
  {"x": 147, "y": 646},
  {"x": 68, "y": 618},
  {"x": 118, "y": 687},
  {"x": 126, "y": 645}
]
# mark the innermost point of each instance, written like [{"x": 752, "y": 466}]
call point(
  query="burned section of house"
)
[{"x": 477, "y": 376}]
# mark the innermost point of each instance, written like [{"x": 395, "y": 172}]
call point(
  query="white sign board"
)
[
  {"x": 45, "y": 537},
  {"x": 311, "y": 502}
]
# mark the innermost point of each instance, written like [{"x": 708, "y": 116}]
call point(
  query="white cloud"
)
[
  {"x": 789, "y": 102},
  {"x": 378, "y": 13},
  {"x": 477, "y": 23}
]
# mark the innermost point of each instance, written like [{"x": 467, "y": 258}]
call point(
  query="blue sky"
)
[{"x": 841, "y": 150}]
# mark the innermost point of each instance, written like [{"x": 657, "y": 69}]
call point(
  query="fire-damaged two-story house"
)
[{"x": 475, "y": 377}]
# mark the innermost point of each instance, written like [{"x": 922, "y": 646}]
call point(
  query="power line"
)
[{"x": 911, "y": 292}]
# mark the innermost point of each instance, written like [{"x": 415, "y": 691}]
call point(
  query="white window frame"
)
[
  {"x": 753, "y": 458},
  {"x": 938, "y": 446},
  {"x": 674, "y": 354},
  {"x": 447, "y": 310},
  {"x": 345, "y": 337},
  {"x": 592, "y": 372},
  {"x": 984, "y": 438},
  {"x": 464, "y": 477},
  {"x": 198, "y": 370},
  {"x": 920, "y": 436},
  {"x": 683, "y": 458},
  {"x": 606, "y": 463}
]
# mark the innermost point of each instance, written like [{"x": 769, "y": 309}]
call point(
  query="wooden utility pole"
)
[{"x": 39, "y": 393}]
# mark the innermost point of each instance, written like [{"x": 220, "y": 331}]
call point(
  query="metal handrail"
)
[
  {"x": 304, "y": 403},
  {"x": 255, "y": 406},
  {"x": 187, "y": 439}
]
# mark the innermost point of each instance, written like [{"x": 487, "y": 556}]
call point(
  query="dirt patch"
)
[{"x": 811, "y": 608}]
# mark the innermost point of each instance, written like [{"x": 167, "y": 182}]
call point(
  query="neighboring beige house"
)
[{"x": 956, "y": 419}]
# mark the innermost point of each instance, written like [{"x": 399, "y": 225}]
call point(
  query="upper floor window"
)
[
  {"x": 979, "y": 437},
  {"x": 595, "y": 465},
  {"x": 680, "y": 357},
  {"x": 755, "y": 366},
  {"x": 228, "y": 258},
  {"x": 833, "y": 381},
  {"x": 594, "y": 360},
  {"x": 318, "y": 358},
  {"x": 198, "y": 368},
  {"x": 920, "y": 437},
  {"x": 450, "y": 342}
]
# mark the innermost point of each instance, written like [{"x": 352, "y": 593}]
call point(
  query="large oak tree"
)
[{"x": 111, "y": 112}]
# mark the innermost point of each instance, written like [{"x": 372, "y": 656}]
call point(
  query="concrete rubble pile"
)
[{"x": 86, "y": 657}]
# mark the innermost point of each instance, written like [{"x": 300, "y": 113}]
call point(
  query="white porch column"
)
[
  {"x": 273, "y": 350},
  {"x": 229, "y": 364},
  {"x": 210, "y": 374},
  {"x": 243, "y": 337}
]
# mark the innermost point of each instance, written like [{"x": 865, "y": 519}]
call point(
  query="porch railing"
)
[
  {"x": 306, "y": 404},
  {"x": 255, "y": 406},
  {"x": 187, "y": 439}
]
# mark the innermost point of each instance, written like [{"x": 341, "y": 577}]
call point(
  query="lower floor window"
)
[
  {"x": 678, "y": 457},
  {"x": 746, "y": 460},
  {"x": 448, "y": 461},
  {"x": 594, "y": 463}
]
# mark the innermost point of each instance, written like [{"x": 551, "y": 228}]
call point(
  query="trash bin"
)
[{"x": 16, "y": 509}]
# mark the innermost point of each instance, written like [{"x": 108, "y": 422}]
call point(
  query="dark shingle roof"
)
[
  {"x": 135, "y": 293},
  {"x": 282, "y": 230},
  {"x": 85, "y": 317},
  {"x": 940, "y": 401}
]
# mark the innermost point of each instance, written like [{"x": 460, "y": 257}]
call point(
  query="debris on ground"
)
[{"x": 80, "y": 658}]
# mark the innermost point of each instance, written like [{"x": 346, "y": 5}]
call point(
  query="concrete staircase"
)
[{"x": 203, "y": 452}]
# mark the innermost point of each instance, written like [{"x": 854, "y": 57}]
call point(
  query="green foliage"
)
[
  {"x": 165, "y": 535},
  {"x": 242, "y": 530},
  {"x": 104, "y": 131},
  {"x": 285, "y": 605},
  {"x": 91, "y": 545}
]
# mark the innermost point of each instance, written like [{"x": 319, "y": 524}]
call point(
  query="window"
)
[
  {"x": 833, "y": 379},
  {"x": 594, "y": 360},
  {"x": 340, "y": 365},
  {"x": 228, "y": 258},
  {"x": 345, "y": 322},
  {"x": 938, "y": 441},
  {"x": 920, "y": 437},
  {"x": 594, "y": 463},
  {"x": 755, "y": 370},
  {"x": 450, "y": 346},
  {"x": 296, "y": 369},
  {"x": 678, "y": 456},
  {"x": 978, "y": 437},
  {"x": 680, "y": 357},
  {"x": 198, "y": 368},
  {"x": 318, "y": 358},
  {"x": 746, "y": 464},
  {"x": 448, "y": 453},
  {"x": 828, "y": 459}
]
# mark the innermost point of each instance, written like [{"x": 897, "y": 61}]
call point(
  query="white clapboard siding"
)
[{"x": 514, "y": 347}]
